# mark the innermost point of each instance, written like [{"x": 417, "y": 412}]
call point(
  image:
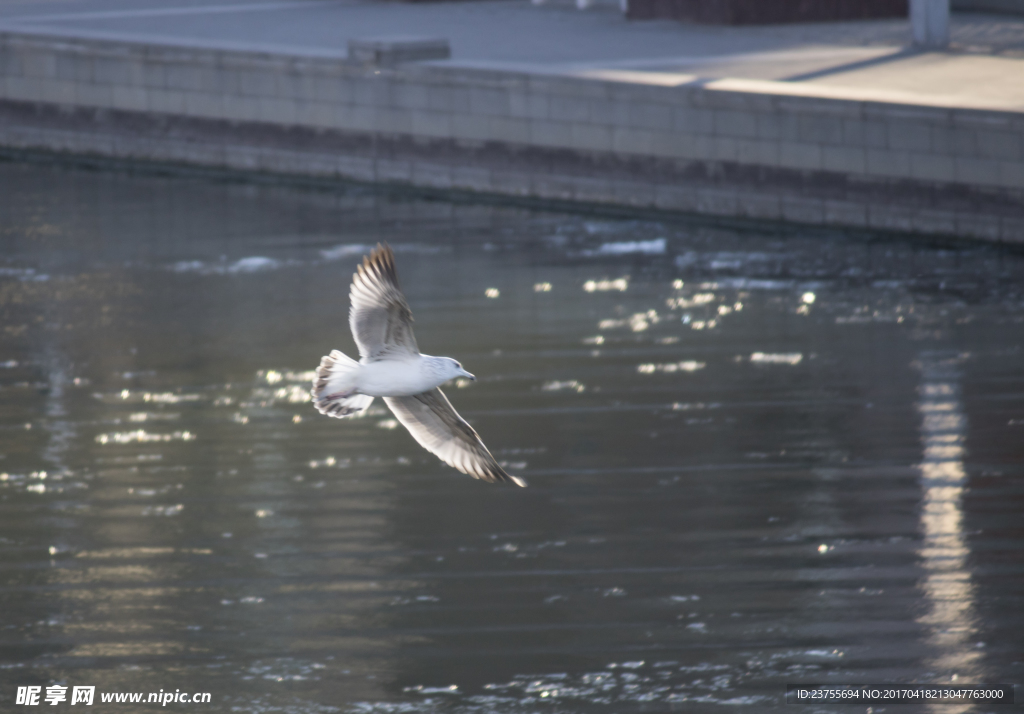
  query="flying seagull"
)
[{"x": 391, "y": 366}]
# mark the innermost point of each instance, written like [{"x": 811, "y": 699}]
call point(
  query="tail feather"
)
[{"x": 331, "y": 387}]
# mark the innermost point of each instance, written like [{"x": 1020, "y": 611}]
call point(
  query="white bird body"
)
[
  {"x": 392, "y": 367},
  {"x": 403, "y": 376}
]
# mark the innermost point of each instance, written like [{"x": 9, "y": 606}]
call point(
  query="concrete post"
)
[{"x": 929, "y": 20}]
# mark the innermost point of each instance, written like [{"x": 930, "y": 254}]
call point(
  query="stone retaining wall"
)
[{"x": 730, "y": 147}]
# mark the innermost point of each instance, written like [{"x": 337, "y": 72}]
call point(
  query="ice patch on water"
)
[
  {"x": 252, "y": 703},
  {"x": 569, "y": 384},
  {"x": 188, "y": 266},
  {"x": 704, "y": 667},
  {"x": 273, "y": 376},
  {"x": 250, "y": 264},
  {"x": 285, "y": 669},
  {"x": 790, "y": 358},
  {"x": 344, "y": 250},
  {"x": 686, "y": 366},
  {"x": 24, "y": 274},
  {"x": 141, "y": 436},
  {"x": 330, "y": 462},
  {"x": 174, "y": 510},
  {"x": 695, "y": 301},
  {"x": 761, "y": 284},
  {"x": 604, "y": 227},
  {"x": 420, "y": 689},
  {"x": 254, "y": 264},
  {"x": 605, "y": 285},
  {"x": 642, "y": 247},
  {"x": 34, "y": 483},
  {"x": 621, "y": 683},
  {"x": 131, "y": 397},
  {"x": 153, "y": 416}
]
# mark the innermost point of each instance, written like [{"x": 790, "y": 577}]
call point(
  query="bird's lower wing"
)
[{"x": 439, "y": 429}]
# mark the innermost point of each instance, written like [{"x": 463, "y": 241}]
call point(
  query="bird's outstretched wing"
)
[
  {"x": 380, "y": 319},
  {"x": 439, "y": 429}
]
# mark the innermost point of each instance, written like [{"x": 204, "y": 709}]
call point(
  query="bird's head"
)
[{"x": 454, "y": 369}]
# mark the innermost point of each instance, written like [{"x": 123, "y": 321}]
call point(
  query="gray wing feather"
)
[
  {"x": 438, "y": 428},
  {"x": 380, "y": 319}
]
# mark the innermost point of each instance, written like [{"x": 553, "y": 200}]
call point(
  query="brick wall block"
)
[
  {"x": 1003, "y": 145},
  {"x": 443, "y": 98},
  {"x": 590, "y": 137},
  {"x": 434, "y": 175},
  {"x": 132, "y": 98},
  {"x": 846, "y": 213},
  {"x": 94, "y": 95},
  {"x": 737, "y": 124},
  {"x": 172, "y": 101},
  {"x": 475, "y": 127},
  {"x": 506, "y": 129},
  {"x": 844, "y": 159},
  {"x": 650, "y": 115},
  {"x": 803, "y": 210},
  {"x": 528, "y": 105},
  {"x": 407, "y": 95},
  {"x": 569, "y": 109},
  {"x": 884, "y": 162},
  {"x": 1011, "y": 173},
  {"x": 209, "y": 105},
  {"x": 38, "y": 64},
  {"x": 608, "y": 113},
  {"x": 820, "y": 129},
  {"x": 692, "y": 120},
  {"x": 757, "y": 152},
  {"x": 932, "y": 167},
  {"x": 58, "y": 92},
  {"x": 763, "y": 206},
  {"x": 488, "y": 102},
  {"x": 867, "y": 133},
  {"x": 909, "y": 136},
  {"x": 954, "y": 140},
  {"x": 550, "y": 133},
  {"x": 430, "y": 123},
  {"x": 797, "y": 155},
  {"x": 632, "y": 141},
  {"x": 985, "y": 172}
]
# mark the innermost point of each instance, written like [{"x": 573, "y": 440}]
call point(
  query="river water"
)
[{"x": 756, "y": 457}]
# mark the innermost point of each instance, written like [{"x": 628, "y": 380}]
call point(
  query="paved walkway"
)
[{"x": 985, "y": 67}]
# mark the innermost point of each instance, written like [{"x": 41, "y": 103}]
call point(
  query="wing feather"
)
[
  {"x": 380, "y": 318},
  {"x": 439, "y": 429}
]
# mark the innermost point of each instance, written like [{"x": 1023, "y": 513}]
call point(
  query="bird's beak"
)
[{"x": 468, "y": 375}]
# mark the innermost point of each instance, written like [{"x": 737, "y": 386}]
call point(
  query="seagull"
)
[{"x": 391, "y": 366}]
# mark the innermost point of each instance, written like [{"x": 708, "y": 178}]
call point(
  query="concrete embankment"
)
[{"x": 807, "y": 153}]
